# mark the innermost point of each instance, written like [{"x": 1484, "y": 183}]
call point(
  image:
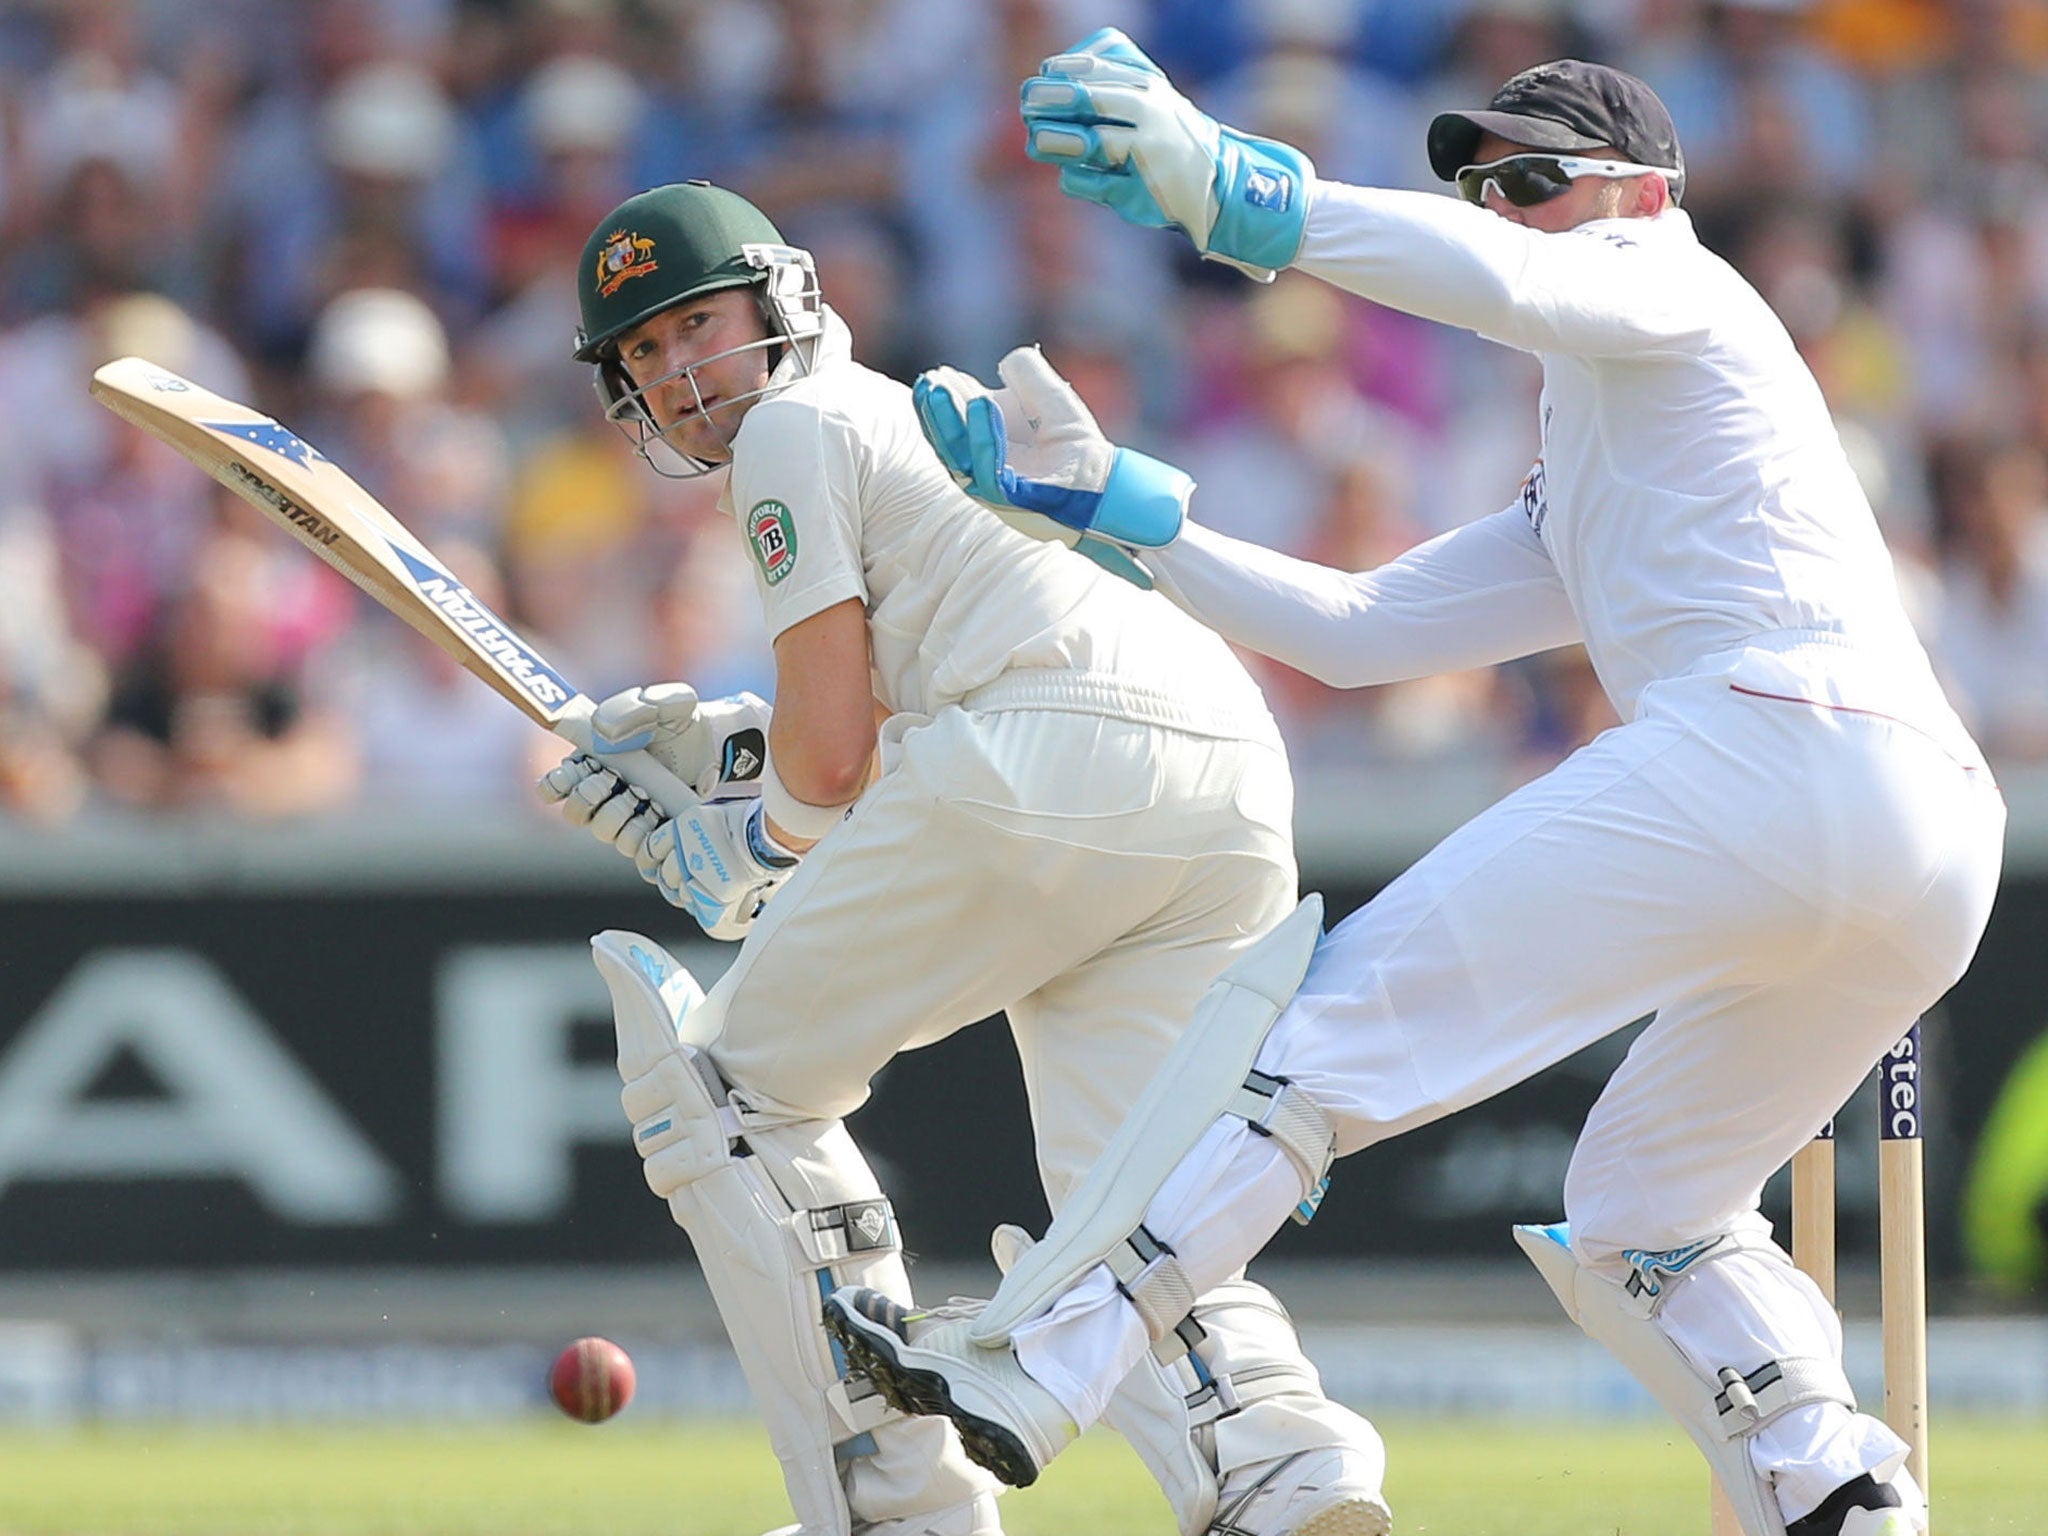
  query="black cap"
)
[{"x": 1566, "y": 105}]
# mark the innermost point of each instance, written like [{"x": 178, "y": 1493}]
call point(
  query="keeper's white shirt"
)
[
  {"x": 838, "y": 496},
  {"x": 1786, "y": 887},
  {"x": 1691, "y": 512}
]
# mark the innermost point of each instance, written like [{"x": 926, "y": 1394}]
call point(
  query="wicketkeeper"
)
[
  {"x": 1075, "y": 808},
  {"x": 1788, "y": 851}
]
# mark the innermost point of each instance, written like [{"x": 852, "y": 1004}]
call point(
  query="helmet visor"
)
[{"x": 629, "y": 405}]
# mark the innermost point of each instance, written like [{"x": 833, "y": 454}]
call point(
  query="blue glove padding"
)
[
  {"x": 1124, "y": 137},
  {"x": 1137, "y": 502},
  {"x": 1058, "y": 477},
  {"x": 719, "y": 860}
]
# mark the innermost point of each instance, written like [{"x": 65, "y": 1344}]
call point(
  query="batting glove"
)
[
  {"x": 716, "y": 746},
  {"x": 718, "y": 860},
  {"x": 1032, "y": 453},
  {"x": 1124, "y": 137},
  {"x": 592, "y": 796}
]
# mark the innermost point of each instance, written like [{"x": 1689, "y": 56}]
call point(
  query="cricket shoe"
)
[
  {"x": 1330, "y": 1492},
  {"x": 924, "y": 1363},
  {"x": 1865, "y": 1507},
  {"x": 977, "y": 1517}
]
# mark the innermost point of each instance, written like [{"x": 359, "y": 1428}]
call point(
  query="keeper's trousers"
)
[{"x": 1788, "y": 886}]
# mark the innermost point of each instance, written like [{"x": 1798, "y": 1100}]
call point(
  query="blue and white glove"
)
[
  {"x": 716, "y": 747},
  {"x": 1032, "y": 453},
  {"x": 718, "y": 860},
  {"x": 1124, "y": 137}
]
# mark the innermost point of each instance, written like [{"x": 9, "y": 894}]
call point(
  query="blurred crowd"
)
[{"x": 364, "y": 216}]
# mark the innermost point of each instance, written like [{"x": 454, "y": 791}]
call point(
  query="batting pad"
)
[
  {"x": 1200, "y": 1081},
  {"x": 1720, "y": 1415},
  {"x": 780, "y": 1216}
]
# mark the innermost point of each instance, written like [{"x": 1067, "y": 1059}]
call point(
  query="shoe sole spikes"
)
[{"x": 907, "y": 1389}]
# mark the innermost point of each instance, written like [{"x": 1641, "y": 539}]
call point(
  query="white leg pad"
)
[
  {"x": 1721, "y": 1411},
  {"x": 779, "y": 1215},
  {"x": 1242, "y": 1393},
  {"x": 1208, "y": 1074},
  {"x": 1253, "y": 1397}
]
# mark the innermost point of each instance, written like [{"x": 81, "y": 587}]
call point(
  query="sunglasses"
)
[{"x": 1526, "y": 180}]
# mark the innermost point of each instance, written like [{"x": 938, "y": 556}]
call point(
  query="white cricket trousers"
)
[
  {"x": 1089, "y": 875},
  {"x": 1787, "y": 886}
]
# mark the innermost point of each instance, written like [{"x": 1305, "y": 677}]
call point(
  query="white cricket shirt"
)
[
  {"x": 1691, "y": 510},
  {"x": 838, "y": 496}
]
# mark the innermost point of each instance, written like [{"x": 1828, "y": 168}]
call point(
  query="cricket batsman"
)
[
  {"x": 995, "y": 777},
  {"x": 1787, "y": 851}
]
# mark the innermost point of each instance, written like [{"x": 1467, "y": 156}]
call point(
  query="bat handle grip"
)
[{"x": 638, "y": 767}]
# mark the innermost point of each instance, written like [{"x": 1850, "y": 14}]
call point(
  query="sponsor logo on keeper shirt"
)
[
  {"x": 771, "y": 531},
  {"x": 1535, "y": 499}
]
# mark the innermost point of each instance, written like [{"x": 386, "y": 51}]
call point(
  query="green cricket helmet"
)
[{"x": 668, "y": 246}]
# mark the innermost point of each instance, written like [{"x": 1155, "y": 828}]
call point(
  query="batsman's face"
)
[{"x": 700, "y": 365}]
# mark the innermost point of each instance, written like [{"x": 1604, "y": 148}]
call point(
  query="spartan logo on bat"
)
[
  {"x": 625, "y": 255},
  {"x": 487, "y": 632},
  {"x": 309, "y": 523}
]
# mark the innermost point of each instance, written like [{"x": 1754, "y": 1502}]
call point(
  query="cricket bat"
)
[{"x": 313, "y": 499}]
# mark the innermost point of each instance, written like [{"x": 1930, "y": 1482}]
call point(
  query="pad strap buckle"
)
[
  {"x": 1745, "y": 1404},
  {"x": 1151, "y": 1278},
  {"x": 1217, "y": 1397},
  {"x": 857, "y": 1405},
  {"x": 832, "y": 1233},
  {"x": 1278, "y": 1108}
]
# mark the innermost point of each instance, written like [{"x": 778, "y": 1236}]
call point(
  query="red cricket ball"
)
[{"x": 591, "y": 1380}]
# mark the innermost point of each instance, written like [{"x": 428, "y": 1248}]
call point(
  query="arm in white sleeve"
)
[
  {"x": 1601, "y": 289},
  {"x": 1480, "y": 594}
]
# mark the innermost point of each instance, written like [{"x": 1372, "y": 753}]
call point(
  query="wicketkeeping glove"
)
[
  {"x": 1124, "y": 137},
  {"x": 1032, "y": 453}
]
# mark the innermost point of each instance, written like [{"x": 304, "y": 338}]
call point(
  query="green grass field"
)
[{"x": 1462, "y": 1478}]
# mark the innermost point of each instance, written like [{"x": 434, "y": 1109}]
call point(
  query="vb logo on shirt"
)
[{"x": 772, "y": 532}]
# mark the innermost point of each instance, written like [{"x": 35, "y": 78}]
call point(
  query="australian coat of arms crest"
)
[{"x": 624, "y": 255}]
